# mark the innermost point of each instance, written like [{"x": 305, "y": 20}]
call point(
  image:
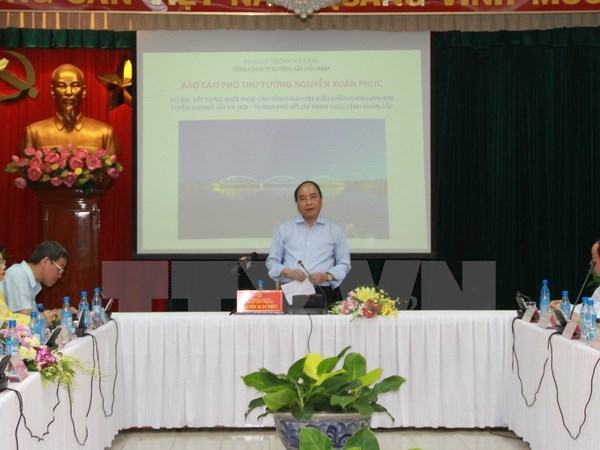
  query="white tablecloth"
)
[
  {"x": 573, "y": 364},
  {"x": 38, "y": 402},
  {"x": 185, "y": 369}
]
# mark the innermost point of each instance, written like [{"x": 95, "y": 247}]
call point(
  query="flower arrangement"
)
[
  {"x": 52, "y": 365},
  {"x": 68, "y": 166},
  {"x": 367, "y": 301}
]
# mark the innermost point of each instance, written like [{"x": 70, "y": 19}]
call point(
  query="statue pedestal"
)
[{"x": 72, "y": 218}]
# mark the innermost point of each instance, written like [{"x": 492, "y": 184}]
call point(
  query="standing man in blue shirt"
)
[{"x": 312, "y": 241}]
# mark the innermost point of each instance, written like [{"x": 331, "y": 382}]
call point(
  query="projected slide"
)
[{"x": 229, "y": 123}]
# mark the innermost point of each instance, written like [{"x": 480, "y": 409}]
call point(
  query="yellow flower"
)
[
  {"x": 26, "y": 353},
  {"x": 78, "y": 171}
]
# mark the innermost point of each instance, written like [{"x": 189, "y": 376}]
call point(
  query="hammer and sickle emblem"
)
[{"x": 23, "y": 87}]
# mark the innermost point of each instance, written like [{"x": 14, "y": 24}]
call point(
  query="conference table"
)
[
  {"x": 464, "y": 369},
  {"x": 550, "y": 384},
  {"x": 60, "y": 419},
  {"x": 188, "y": 367}
]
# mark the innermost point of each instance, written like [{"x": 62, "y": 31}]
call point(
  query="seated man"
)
[
  {"x": 23, "y": 281},
  {"x": 5, "y": 312},
  {"x": 595, "y": 254}
]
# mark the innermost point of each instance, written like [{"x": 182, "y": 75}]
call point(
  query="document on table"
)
[{"x": 297, "y": 288}]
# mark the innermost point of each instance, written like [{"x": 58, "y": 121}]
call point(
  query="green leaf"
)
[
  {"x": 305, "y": 413},
  {"x": 343, "y": 400},
  {"x": 296, "y": 369},
  {"x": 256, "y": 403},
  {"x": 279, "y": 399},
  {"x": 363, "y": 439},
  {"x": 363, "y": 407},
  {"x": 389, "y": 384},
  {"x": 355, "y": 365},
  {"x": 313, "y": 439},
  {"x": 333, "y": 385},
  {"x": 311, "y": 365},
  {"x": 371, "y": 377},
  {"x": 343, "y": 352},
  {"x": 327, "y": 365},
  {"x": 265, "y": 381}
]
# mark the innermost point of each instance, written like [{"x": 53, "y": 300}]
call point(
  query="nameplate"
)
[
  {"x": 572, "y": 330},
  {"x": 546, "y": 320},
  {"x": 63, "y": 338},
  {"x": 19, "y": 367},
  {"x": 531, "y": 315},
  {"x": 261, "y": 302}
]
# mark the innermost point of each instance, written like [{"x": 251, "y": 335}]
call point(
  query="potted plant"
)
[{"x": 313, "y": 393}]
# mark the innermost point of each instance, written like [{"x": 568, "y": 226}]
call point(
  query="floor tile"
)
[
  {"x": 395, "y": 440},
  {"x": 437, "y": 440},
  {"x": 149, "y": 440},
  {"x": 491, "y": 440}
]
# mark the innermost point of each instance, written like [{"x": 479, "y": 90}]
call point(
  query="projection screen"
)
[{"x": 230, "y": 122}]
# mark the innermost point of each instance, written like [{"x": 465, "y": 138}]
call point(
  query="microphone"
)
[
  {"x": 251, "y": 257},
  {"x": 589, "y": 272},
  {"x": 301, "y": 264},
  {"x": 520, "y": 298}
]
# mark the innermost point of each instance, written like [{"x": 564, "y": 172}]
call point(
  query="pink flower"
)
[
  {"x": 46, "y": 167},
  {"x": 93, "y": 162},
  {"x": 44, "y": 357},
  {"x": 34, "y": 173},
  {"x": 112, "y": 172},
  {"x": 65, "y": 153},
  {"x": 75, "y": 163},
  {"x": 81, "y": 153},
  {"x": 69, "y": 180},
  {"x": 55, "y": 181},
  {"x": 101, "y": 153},
  {"x": 35, "y": 162},
  {"x": 20, "y": 183},
  {"x": 39, "y": 154},
  {"x": 29, "y": 151},
  {"x": 52, "y": 157},
  {"x": 21, "y": 162}
]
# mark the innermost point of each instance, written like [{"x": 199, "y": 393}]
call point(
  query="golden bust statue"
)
[{"x": 69, "y": 125}]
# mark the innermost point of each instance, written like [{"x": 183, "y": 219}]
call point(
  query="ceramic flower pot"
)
[{"x": 337, "y": 426}]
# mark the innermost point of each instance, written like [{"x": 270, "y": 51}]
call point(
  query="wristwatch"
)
[{"x": 329, "y": 276}]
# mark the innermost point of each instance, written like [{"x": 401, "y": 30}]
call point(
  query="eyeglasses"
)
[
  {"x": 60, "y": 269},
  {"x": 312, "y": 198}
]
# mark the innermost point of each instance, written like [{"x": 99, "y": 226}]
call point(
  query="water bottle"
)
[
  {"x": 97, "y": 308},
  {"x": 544, "y": 297},
  {"x": 584, "y": 321},
  {"x": 12, "y": 341},
  {"x": 66, "y": 316},
  {"x": 593, "y": 317},
  {"x": 565, "y": 304},
  {"x": 84, "y": 305},
  {"x": 41, "y": 322},
  {"x": 260, "y": 285},
  {"x": 34, "y": 324}
]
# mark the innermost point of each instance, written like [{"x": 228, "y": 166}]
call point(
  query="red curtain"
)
[{"x": 20, "y": 228}]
